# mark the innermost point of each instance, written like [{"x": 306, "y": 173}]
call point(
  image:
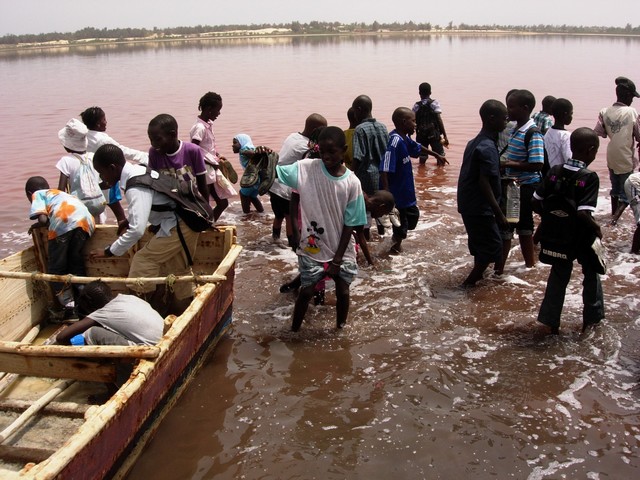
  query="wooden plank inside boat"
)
[
  {"x": 74, "y": 368},
  {"x": 69, "y": 409},
  {"x": 23, "y": 454}
]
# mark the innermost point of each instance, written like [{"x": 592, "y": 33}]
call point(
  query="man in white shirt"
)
[
  {"x": 293, "y": 149},
  {"x": 164, "y": 253},
  {"x": 620, "y": 122},
  {"x": 106, "y": 319}
]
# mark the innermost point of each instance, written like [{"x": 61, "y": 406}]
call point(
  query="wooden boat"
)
[{"x": 48, "y": 428}]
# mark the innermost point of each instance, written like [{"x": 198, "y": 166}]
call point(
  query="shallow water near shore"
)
[{"x": 427, "y": 380}]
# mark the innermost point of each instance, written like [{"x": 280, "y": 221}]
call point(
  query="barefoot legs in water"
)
[
  {"x": 307, "y": 293},
  {"x": 475, "y": 275},
  {"x": 221, "y": 203},
  {"x": 246, "y": 203}
]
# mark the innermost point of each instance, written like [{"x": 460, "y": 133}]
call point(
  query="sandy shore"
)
[{"x": 268, "y": 35}]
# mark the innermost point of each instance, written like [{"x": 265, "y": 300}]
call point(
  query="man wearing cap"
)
[{"x": 620, "y": 122}]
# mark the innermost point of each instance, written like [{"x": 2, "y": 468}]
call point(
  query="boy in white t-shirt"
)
[
  {"x": 556, "y": 140},
  {"x": 331, "y": 206}
]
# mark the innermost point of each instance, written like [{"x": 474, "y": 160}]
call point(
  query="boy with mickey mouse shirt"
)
[{"x": 331, "y": 206}]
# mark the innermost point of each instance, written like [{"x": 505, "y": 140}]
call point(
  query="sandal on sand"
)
[{"x": 290, "y": 286}]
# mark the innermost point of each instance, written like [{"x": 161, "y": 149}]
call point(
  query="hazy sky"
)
[{"x": 41, "y": 16}]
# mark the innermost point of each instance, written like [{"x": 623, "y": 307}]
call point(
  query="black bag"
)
[
  {"x": 191, "y": 207},
  {"x": 427, "y": 121},
  {"x": 559, "y": 228}
]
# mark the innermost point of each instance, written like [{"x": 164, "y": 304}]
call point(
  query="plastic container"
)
[
  {"x": 77, "y": 340},
  {"x": 512, "y": 201}
]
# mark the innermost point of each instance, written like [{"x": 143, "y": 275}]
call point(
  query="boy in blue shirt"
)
[{"x": 396, "y": 173}]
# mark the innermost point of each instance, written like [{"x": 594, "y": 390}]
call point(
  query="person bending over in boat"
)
[
  {"x": 164, "y": 252},
  {"x": 105, "y": 319},
  {"x": 70, "y": 226}
]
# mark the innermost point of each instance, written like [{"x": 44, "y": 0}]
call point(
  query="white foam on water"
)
[
  {"x": 249, "y": 449},
  {"x": 451, "y": 191},
  {"x": 562, "y": 409},
  {"x": 514, "y": 280},
  {"x": 330, "y": 427},
  {"x": 623, "y": 269},
  {"x": 15, "y": 242},
  {"x": 494, "y": 378},
  {"x": 553, "y": 468},
  {"x": 422, "y": 226}
]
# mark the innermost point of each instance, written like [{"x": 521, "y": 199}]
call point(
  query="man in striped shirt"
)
[{"x": 523, "y": 162}]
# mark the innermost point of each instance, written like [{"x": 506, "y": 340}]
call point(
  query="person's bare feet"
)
[{"x": 396, "y": 246}]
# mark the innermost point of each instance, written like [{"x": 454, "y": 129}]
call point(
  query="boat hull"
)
[{"x": 114, "y": 434}]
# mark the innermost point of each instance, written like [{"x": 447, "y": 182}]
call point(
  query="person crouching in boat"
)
[
  {"x": 70, "y": 226},
  {"x": 164, "y": 252},
  {"x": 105, "y": 319}
]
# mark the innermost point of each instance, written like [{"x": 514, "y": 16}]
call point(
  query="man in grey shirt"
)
[{"x": 108, "y": 320}]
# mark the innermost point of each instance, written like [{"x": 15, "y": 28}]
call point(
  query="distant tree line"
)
[{"x": 313, "y": 27}]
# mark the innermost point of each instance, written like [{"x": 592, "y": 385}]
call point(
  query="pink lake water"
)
[{"x": 427, "y": 381}]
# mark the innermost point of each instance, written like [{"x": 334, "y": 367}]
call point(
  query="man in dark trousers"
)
[{"x": 569, "y": 234}]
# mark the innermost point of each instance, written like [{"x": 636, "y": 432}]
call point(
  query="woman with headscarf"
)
[{"x": 243, "y": 146}]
